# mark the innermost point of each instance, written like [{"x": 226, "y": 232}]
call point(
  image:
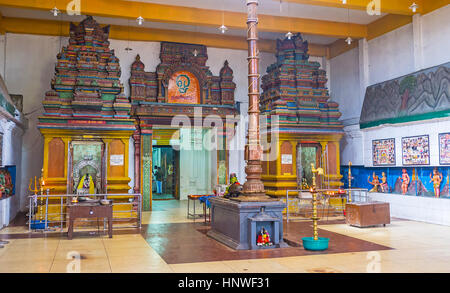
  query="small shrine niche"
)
[
  {"x": 308, "y": 126},
  {"x": 182, "y": 77}
]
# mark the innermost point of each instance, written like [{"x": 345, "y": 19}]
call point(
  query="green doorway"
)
[
  {"x": 165, "y": 173},
  {"x": 307, "y": 154}
]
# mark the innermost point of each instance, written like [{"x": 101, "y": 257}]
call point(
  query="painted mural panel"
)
[
  {"x": 383, "y": 152},
  {"x": 416, "y": 150},
  {"x": 419, "y": 96},
  {"x": 420, "y": 184},
  {"x": 444, "y": 148},
  {"x": 184, "y": 88}
]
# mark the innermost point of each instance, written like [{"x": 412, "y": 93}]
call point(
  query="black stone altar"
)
[{"x": 236, "y": 224}]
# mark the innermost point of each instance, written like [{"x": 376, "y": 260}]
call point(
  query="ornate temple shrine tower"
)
[
  {"x": 86, "y": 124},
  {"x": 307, "y": 128},
  {"x": 175, "y": 107}
]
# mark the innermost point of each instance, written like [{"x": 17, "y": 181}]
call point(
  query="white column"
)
[
  {"x": 418, "y": 44},
  {"x": 327, "y": 67},
  {"x": 363, "y": 69}
]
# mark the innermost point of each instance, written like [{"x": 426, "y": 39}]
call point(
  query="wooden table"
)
[
  {"x": 193, "y": 197},
  {"x": 366, "y": 214},
  {"x": 83, "y": 210}
]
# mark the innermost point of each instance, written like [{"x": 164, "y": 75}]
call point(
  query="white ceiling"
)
[{"x": 39, "y": 14}]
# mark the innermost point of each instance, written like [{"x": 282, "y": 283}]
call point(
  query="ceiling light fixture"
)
[
  {"x": 128, "y": 48},
  {"x": 344, "y": 1},
  {"x": 223, "y": 28},
  {"x": 55, "y": 11},
  {"x": 349, "y": 40},
  {"x": 414, "y": 7},
  {"x": 195, "y": 53},
  {"x": 289, "y": 35},
  {"x": 140, "y": 20}
]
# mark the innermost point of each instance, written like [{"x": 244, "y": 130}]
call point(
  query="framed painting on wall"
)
[
  {"x": 444, "y": 148},
  {"x": 383, "y": 152},
  {"x": 416, "y": 150}
]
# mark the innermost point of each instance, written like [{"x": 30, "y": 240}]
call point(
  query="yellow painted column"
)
[
  {"x": 294, "y": 157},
  {"x": 324, "y": 144},
  {"x": 66, "y": 141},
  {"x": 338, "y": 158},
  {"x": 279, "y": 142},
  {"x": 47, "y": 140},
  {"x": 126, "y": 155}
]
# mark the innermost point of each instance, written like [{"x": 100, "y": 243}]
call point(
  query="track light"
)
[
  {"x": 289, "y": 35},
  {"x": 140, "y": 20},
  {"x": 55, "y": 11},
  {"x": 195, "y": 53},
  {"x": 349, "y": 40}
]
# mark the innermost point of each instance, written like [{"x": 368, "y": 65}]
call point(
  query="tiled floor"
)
[{"x": 415, "y": 247}]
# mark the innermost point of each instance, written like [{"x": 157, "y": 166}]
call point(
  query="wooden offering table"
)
[
  {"x": 89, "y": 210},
  {"x": 366, "y": 214}
]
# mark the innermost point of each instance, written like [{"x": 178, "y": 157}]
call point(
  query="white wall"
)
[
  {"x": 436, "y": 37},
  {"x": 397, "y": 131},
  {"x": 11, "y": 156},
  {"x": 344, "y": 84},
  {"x": 391, "y": 55},
  {"x": 422, "y": 44},
  {"x": 416, "y": 208}
]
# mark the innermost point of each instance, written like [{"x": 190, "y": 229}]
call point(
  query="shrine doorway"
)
[
  {"x": 86, "y": 158},
  {"x": 165, "y": 168},
  {"x": 307, "y": 154}
]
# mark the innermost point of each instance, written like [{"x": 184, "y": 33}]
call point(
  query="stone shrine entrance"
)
[
  {"x": 87, "y": 158},
  {"x": 166, "y": 162},
  {"x": 307, "y": 154}
]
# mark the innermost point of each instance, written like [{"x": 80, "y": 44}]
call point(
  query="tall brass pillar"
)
[{"x": 253, "y": 187}]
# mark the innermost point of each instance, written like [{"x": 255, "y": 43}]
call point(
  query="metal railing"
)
[
  {"x": 37, "y": 204},
  {"x": 357, "y": 195}
]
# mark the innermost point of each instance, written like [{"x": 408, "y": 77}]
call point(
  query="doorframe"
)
[
  {"x": 176, "y": 166},
  {"x": 102, "y": 164},
  {"x": 318, "y": 147}
]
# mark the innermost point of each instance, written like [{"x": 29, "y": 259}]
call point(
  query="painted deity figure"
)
[
  {"x": 2, "y": 185},
  {"x": 436, "y": 178},
  {"x": 86, "y": 185},
  {"x": 405, "y": 181},
  {"x": 375, "y": 182},
  {"x": 235, "y": 188},
  {"x": 384, "y": 186},
  {"x": 263, "y": 238}
]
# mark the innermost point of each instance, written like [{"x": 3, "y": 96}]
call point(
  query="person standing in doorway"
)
[{"x": 158, "y": 179}]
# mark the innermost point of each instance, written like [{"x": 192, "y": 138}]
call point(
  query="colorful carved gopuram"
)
[
  {"x": 86, "y": 124},
  {"x": 172, "y": 106},
  {"x": 302, "y": 122}
]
